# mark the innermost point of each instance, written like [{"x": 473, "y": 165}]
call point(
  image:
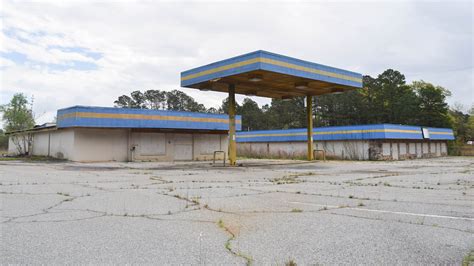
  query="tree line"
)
[{"x": 387, "y": 98}]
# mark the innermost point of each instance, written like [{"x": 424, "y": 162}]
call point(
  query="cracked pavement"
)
[{"x": 265, "y": 212}]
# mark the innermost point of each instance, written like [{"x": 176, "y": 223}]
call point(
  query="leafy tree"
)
[
  {"x": 135, "y": 100},
  {"x": 470, "y": 125},
  {"x": 155, "y": 99},
  {"x": 340, "y": 109},
  {"x": 252, "y": 115},
  {"x": 179, "y": 101},
  {"x": 224, "y": 109},
  {"x": 17, "y": 116},
  {"x": 284, "y": 114},
  {"x": 3, "y": 141},
  {"x": 124, "y": 101},
  {"x": 212, "y": 110},
  {"x": 433, "y": 109}
]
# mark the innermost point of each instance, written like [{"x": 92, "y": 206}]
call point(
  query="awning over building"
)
[
  {"x": 363, "y": 132},
  {"x": 109, "y": 117}
]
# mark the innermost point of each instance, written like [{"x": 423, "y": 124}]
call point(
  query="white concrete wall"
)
[
  {"x": 12, "y": 149},
  {"x": 444, "y": 148},
  {"x": 386, "y": 149},
  {"x": 150, "y": 146},
  {"x": 419, "y": 151},
  {"x": 206, "y": 144},
  {"x": 395, "y": 151},
  {"x": 349, "y": 150},
  {"x": 41, "y": 143},
  {"x": 412, "y": 148},
  {"x": 62, "y": 144},
  {"x": 352, "y": 150},
  {"x": 91, "y": 145}
]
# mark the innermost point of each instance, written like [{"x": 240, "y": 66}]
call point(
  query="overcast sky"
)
[{"x": 91, "y": 52}]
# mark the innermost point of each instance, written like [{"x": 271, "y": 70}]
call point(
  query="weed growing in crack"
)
[
  {"x": 220, "y": 223},
  {"x": 296, "y": 210},
  {"x": 289, "y": 179},
  {"x": 351, "y": 196},
  {"x": 290, "y": 262},
  {"x": 228, "y": 244},
  {"x": 361, "y": 204},
  {"x": 195, "y": 200}
]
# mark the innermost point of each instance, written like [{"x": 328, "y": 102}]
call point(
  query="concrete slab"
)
[{"x": 265, "y": 212}]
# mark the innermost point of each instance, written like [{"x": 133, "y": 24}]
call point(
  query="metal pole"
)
[
  {"x": 309, "y": 114},
  {"x": 232, "y": 144}
]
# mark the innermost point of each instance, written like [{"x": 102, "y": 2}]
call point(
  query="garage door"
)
[{"x": 183, "y": 147}]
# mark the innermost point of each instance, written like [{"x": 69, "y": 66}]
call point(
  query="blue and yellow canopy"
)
[{"x": 272, "y": 75}]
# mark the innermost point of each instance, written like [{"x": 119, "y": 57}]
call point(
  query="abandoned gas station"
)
[{"x": 119, "y": 134}]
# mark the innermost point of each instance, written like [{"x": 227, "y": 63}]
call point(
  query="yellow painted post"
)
[
  {"x": 309, "y": 114},
  {"x": 232, "y": 144}
]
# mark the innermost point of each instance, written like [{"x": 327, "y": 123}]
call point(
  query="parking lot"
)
[{"x": 264, "y": 212}]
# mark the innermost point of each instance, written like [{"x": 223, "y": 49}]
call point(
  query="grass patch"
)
[
  {"x": 468, "y": 259},
  {"x": 33, "y": 158}
]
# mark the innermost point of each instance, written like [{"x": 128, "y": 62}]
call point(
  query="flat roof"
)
[
  {"x": 110, "y": 117},
  {"x": 266, "y": 74},
  {"x": 361, "y": 132}
]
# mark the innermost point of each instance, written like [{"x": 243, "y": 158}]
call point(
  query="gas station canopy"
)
[{"x": 270, "y": 75}]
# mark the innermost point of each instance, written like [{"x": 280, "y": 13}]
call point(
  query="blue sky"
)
[{"x": 91, "y": 52}]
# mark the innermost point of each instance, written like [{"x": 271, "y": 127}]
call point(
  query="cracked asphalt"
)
[{"x": 264, "y": 212}]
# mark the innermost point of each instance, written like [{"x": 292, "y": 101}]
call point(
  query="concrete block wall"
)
[
  {"x": 94, "y": 144},
  {"x": 347, "y": 149}
]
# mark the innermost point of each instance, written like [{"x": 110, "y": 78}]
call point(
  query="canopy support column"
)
[
  {"x": 309, "y": 117},
  {"x": 232, "y": 143}
]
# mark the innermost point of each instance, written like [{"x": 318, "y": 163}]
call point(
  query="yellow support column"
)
[
  {"x": 309, "y": 114},
  {"x": 232, "y": 144}
]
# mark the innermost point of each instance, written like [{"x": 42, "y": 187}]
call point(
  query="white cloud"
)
[{"x": 145, "y": 45}]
